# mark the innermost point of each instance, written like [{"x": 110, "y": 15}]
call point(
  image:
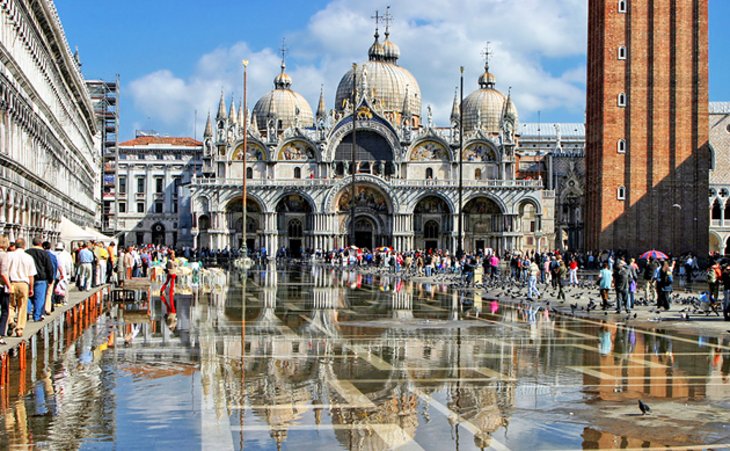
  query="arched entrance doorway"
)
[
  {"x": 158, "y": 234},
  {"x": 371, "y": 211},
  {"x": 364, "y": 231},
  {"x": 234, "y": 223},
  {"x": 432, "y": 223},
  {"x": 483, "y": 225},
  {"x": 294, "y": 220}
]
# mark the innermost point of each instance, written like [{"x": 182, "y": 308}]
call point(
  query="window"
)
[
  {"x": 622, "y": 99},
  {"x": 621, "y": 146},
  {"x": 158, "y": 207},
  {"x": 122, "y": 207},
  {"x": 158, "y": 184},
  {"x": 297, "y": 173},
  {"x": 621, "y": 193},
  {"x": 477, "y": 174},
  {"x": 160, "y": 156},
  {"x": 249, "y": 173},
  {"x": 140, "y": 184},
  {"x": 174, "y": 207},
  {"x": 178, "y": 156},
  {"x": 140, "y": 207},
  {"x": 122, "y": 184},
  {"x": 622, "y": 52},
  {"x": 429, "y": 173},
  {"x": 622, "y": 6},
  {"x": 140, "y": 237}
]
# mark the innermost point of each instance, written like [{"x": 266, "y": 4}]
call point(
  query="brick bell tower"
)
[{"x": 647, "y": 151}]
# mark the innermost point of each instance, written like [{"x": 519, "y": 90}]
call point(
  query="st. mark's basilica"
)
[{"x": 406, "y": 173}]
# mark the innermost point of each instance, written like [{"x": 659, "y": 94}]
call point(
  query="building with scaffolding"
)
[{"x": 105, "y": 99}]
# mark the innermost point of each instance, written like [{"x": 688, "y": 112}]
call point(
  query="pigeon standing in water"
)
[{"x": 645, "y": 409}]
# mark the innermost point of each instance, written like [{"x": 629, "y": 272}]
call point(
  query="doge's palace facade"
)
[{"x": 49, "y": 165}]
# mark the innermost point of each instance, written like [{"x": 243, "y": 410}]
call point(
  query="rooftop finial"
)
[
  {"x": 283, "y": 51},
  {"x": 486, "y": 54},
  {"x": 378, "y": 18},
  {"x": 387, "y": 18}
]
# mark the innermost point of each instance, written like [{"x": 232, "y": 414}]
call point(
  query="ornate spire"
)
[
  {"x": 221, "y": 108},
  {"x": 391, "y": 52},
  {"x": 283, "y": 80},
  {"x": 406, "y": 110},
  {"x": 321, "y": 107},
  {"x": 487, "y": 79},
  {"x": 232, "y": 118},
  {"x": 455, "y": 116},
  {"x": 240, "y": 113},
  {"x": 208, "y": 128},
  {"x": 376, "y": 51},
  {"x": 253, "y": 126}
]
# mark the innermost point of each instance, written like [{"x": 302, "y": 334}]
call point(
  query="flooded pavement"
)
[{"x": 326, "y": 359}]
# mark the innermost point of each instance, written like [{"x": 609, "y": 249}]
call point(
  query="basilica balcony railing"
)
[{"x": 233, "y": 182}]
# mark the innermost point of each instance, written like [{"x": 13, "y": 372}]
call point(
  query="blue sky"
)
[{"x": 175, "y": 56}]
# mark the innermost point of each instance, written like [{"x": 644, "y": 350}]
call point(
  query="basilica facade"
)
[{"x": 375, "y": 163}]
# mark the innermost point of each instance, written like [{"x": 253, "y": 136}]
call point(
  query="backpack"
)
[{"x": 711, "y": 275}]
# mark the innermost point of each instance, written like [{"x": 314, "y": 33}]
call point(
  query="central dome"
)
[
  {"x": 385, "y": 82},
  {"x": 283, "y": 106}
]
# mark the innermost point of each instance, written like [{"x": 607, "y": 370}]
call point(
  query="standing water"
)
[{"x": 331, "y": 359}]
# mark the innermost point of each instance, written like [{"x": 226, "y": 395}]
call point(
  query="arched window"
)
[
  {"x": 622, "y": 52},
  {"x": 431, "y": 230},
  {"x": 716, "y": 210},
  {"x": 249, "y": 173},
  {"x": 621, "y": 193},
  {"x": 621, "y": 147},
  {"x": 477, "y": 174},
  {"x": 295, "y": 228},
  {"x": 429, "y": 173},
  {"x": 622, "y": 6},
  {"x": 727, "y": 211},
  {"x": 297, "y": 173},
  {"x": 712, "y": 156},
  {"x": 622, "y": 99}
]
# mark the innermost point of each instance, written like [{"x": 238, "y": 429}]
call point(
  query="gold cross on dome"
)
[{"x": 378, "y": 18}]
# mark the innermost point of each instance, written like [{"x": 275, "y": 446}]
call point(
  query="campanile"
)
[{"x": 647, "y": 151}]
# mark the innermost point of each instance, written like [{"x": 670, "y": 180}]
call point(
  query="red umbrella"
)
[{"x": 655, "y": 254}]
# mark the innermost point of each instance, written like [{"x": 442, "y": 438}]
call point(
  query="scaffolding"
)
[{"x": 105, "y": 99}]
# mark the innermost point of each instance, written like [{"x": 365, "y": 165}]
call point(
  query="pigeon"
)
[{"x": 644, "y": 407}]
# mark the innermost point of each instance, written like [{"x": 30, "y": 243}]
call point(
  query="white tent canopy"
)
[{"x": 70, "y": 231}]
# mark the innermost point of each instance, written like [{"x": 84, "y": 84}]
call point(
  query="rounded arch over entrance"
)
[
  {"x": 234, "y": 223},
  {"x": 371, "y": 209},
  {"x": 483, "y": 225},
  {"x": 432, "y": 223},
  {"x": 294, "y": 222},
  {"x": 158, "y": 233}
]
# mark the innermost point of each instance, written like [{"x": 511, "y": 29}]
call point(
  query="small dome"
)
[
  {"x": 283, "y": 105},
  {"x": 377, "y": 51},
  {"x": 487, "y": 106},
  {"x": 392, "y": 52}
]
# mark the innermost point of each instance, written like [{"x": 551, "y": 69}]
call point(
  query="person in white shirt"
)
[
  {"x": 21, "y": 272},
  {"x": 65, "y": 269}
]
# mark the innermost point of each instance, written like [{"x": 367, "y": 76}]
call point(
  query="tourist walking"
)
[
  {"x": 562, "y": 274},
  {"x": 65, "y": 269},
  {"x": 651, "y": 271},
  {"x": 604, "y": 284},
  {"x": 48, "y": 304},
  {"x": 726, "y": 289},
  {"x": 573, "y": 272},
  {"x": 4, "y": 288},
  {"x": 85, "y": 261},
  {"x": 621, "y": 283},
  {"x": 102, "y": 255},
  {"x": 532, "y": 290},
  {"x": 664, "y": 286},
  {"x": 21, "y": 272},
  {"x": 44, "y": 275}
]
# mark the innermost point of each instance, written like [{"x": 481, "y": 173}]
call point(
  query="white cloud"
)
[{"x": 435, "y": 38}]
